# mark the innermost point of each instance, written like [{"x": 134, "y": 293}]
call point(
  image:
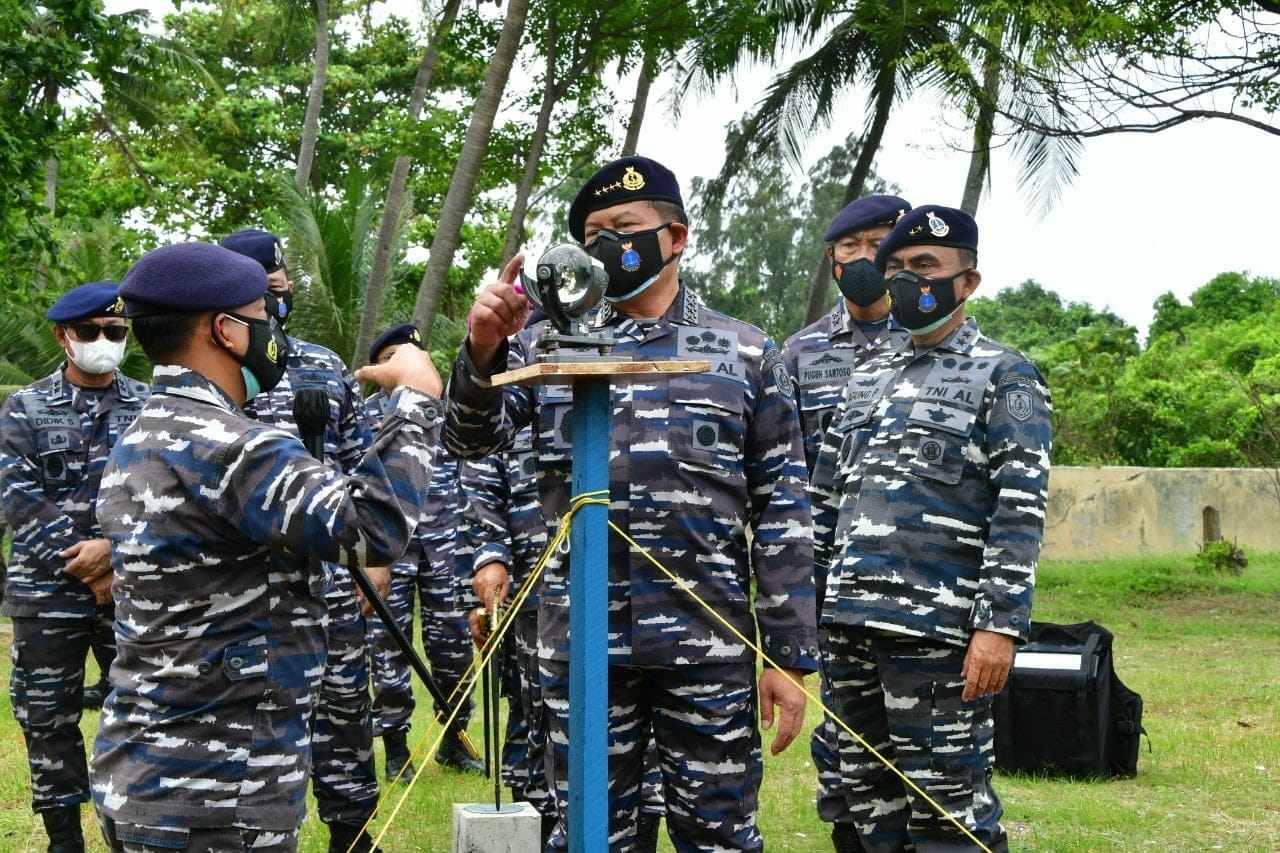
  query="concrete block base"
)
[{"x": 515, "y": 828}]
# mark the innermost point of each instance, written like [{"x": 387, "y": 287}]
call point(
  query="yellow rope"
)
[{"x": 562, "y": 531}]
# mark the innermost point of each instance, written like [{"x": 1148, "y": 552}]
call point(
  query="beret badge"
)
[
  {"x": 937, "y": 227},
  {"x": 632, "y": 180}
]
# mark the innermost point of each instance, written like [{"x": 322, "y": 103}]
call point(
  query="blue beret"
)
[
  {"x": 98, "y": 299},
  {"x": 405, "y": 333},
  {"x": 932, "y": 225},
  {"x": 866, "y": 212},
  {"x": 191, "y": 277},
  {"x": 262, "y": 246},
  {"x": 628, "y": 179}
]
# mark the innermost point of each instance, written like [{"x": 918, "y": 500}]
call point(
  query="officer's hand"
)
[
  {"x": 380, "y": 577},
  {"x": 491, "y": 579},
  {"x": 498, "y": 313},
  {"x": 88, "y": 559},
  {"x": 407, "y": 366},
  {"x": 478, "y": 625},
  {"x": 986, "y": 664},
  {"x": 776, "y": 689},
  {"x": 101, "y": 588}
]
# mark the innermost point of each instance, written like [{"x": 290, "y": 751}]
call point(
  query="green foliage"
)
[
  {"x": 1029, "y": 317},
  {"x": 1220, "y": 557}
]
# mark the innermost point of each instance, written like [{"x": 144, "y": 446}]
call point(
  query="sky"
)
[{"x": 1148, "y": 213}]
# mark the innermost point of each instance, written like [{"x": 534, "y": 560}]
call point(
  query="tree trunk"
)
[
  {"x": 51, "y": 162},
  {"x": 983, "y": 128},
  {"x": 648, "y": 70},
  {"x": 315, "y": 97},
  {"x": 537, "y": 142},
  {"x": 465, "y": 174},
  {"x": 396, "y": 190},
  {"x": 886, "y": 91}
]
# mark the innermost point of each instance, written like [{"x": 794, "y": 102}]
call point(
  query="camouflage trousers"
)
[
  {"x": 46, "y": 689},
  {"x": 700, "y": 723},
  {"x": 343, "y": 777},
  {"x": 445, "y": 639},
  {"x": 135, "y": 838},
  {"x": 903, "y": 695},
  {"x": 524, "y": 747},
  {"x": 824, "y": 749}
]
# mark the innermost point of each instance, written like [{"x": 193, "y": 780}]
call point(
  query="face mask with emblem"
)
[
  {"x": 262, "y": 366},
  {"x": 860, "y": 281},
  {"x": 633, "y": 260},
  {"x": 923, "y": 305}
]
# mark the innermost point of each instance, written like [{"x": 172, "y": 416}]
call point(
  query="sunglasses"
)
[{"x": 88, "y": 332}]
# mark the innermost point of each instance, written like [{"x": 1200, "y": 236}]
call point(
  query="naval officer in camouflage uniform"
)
[
  {"x": 696, "y": 462},
  {"x": 220, "y": 527},
  {"x": 929, "y": 497},
  {"x": 344, "y": 779},
  {"x": 821, "y": 358},
  {"x": 427, "y": 572},
  {"x": 55, "y": 435}
]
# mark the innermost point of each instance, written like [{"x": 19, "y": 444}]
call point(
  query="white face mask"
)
[{"x": 96, "y": 357}]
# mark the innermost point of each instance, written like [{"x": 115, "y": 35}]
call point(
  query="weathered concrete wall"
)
[{"x": 1096, "y": 513}]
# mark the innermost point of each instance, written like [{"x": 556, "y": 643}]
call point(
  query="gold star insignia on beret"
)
[
  {"x": 608, "y": 188},
  {"x": 914, "y": 231}
]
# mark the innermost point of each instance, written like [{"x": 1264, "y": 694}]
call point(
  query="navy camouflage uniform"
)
[
  {"x": 344, "y": 779},
  {"x": 54, "y": 441},
  {"x": 220, "y": 608},
  {"x": 696, "y": 460},
  {"x": 502, "y": 523},
  {"x": 929, "y": 498},
  {"x": 426, "y": 572},
  {"x": 821, "y": 358}
]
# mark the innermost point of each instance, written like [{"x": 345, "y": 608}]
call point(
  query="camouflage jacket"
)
[
  {"x": 929, "y": 492},
  {"x": 52, "y": 453},
  {"x": 502, "y": 513},
  {"x": 347, "y": 433},
  {"x": 217, "y": 525},
  {"x": 695, "y": 462},
  {"x": 821, "y": 357}
]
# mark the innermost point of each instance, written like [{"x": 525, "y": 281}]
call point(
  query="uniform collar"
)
[
  {"x": 179, "y": 381},
  {"x": 962, "y": 340},
  {"x": 686, "y": 309},
  {"x": 61, "y": 391}
]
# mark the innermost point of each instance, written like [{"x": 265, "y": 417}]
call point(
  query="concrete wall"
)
[{"x": 1095, "y": 513}]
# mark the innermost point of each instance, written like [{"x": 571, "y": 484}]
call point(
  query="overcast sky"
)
[{"x": 1148, "y": 213}]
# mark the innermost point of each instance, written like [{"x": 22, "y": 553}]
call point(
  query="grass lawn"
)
[{"x": 1204, "y": 652}]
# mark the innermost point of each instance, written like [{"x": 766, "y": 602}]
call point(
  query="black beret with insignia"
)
[
  {"x": 866, "y": 212},
  {"x": 262, "y": 246},
  {"x": 932, "y": 225},
  {"x": 405, "y": 333},
  {"x": 189, "y": 277},
  {"x": 628, "y": 179},
  {"x": 96, "y": 299}
]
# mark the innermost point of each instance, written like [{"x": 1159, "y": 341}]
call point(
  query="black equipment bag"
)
[{"x": 1064, "y": 711}]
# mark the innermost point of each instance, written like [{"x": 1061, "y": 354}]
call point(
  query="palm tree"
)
[
  {"x": 315, "y": 96},
  {"x": 391, "y": 208},
  {"x": 458, "y": 200}
]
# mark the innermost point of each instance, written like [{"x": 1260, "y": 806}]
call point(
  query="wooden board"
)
[{"x": 616, "y": 371}]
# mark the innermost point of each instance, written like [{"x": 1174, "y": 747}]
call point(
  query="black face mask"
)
[
  {"x": 860, "y": 281},
  {"x": 279, "y": 304},
  {"x": 923, "y": 305},
  {"x": 267, "y": 356},
  {"x": 633, "y": 260}
]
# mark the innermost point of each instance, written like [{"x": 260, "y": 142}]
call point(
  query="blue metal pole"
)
[{"x": 589, "y": 624}]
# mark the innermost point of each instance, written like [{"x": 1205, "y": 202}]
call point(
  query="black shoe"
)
[
  {"x": 647, "y": 833},
  {"x": 398, "y": 763},
  {"x": 350, "y": 835},
  {"x": 845, "y": 838},
  {"x": 63, "y": 826},
  {"x": 95, "y": 694},
  {"x": 453, "y": 754}
]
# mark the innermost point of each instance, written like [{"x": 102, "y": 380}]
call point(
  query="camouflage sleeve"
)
[
  {"x": 278, "y": 495},
  {"x": 782, "y": 541},
  {"x": 479, "y": 418},
  {"x": 824, "y": 496},
  {"x": 36, "y": 520},
  {"x": 1019, "y": 436},
  {"x": 486, "y": 525},
  {"x": 355, "y": 429}
]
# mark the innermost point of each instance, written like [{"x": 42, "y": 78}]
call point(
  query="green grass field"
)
[{"x": 1204, "y": 652}]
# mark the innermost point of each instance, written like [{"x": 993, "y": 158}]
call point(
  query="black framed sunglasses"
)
[{"x": 88, "y": 332}]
